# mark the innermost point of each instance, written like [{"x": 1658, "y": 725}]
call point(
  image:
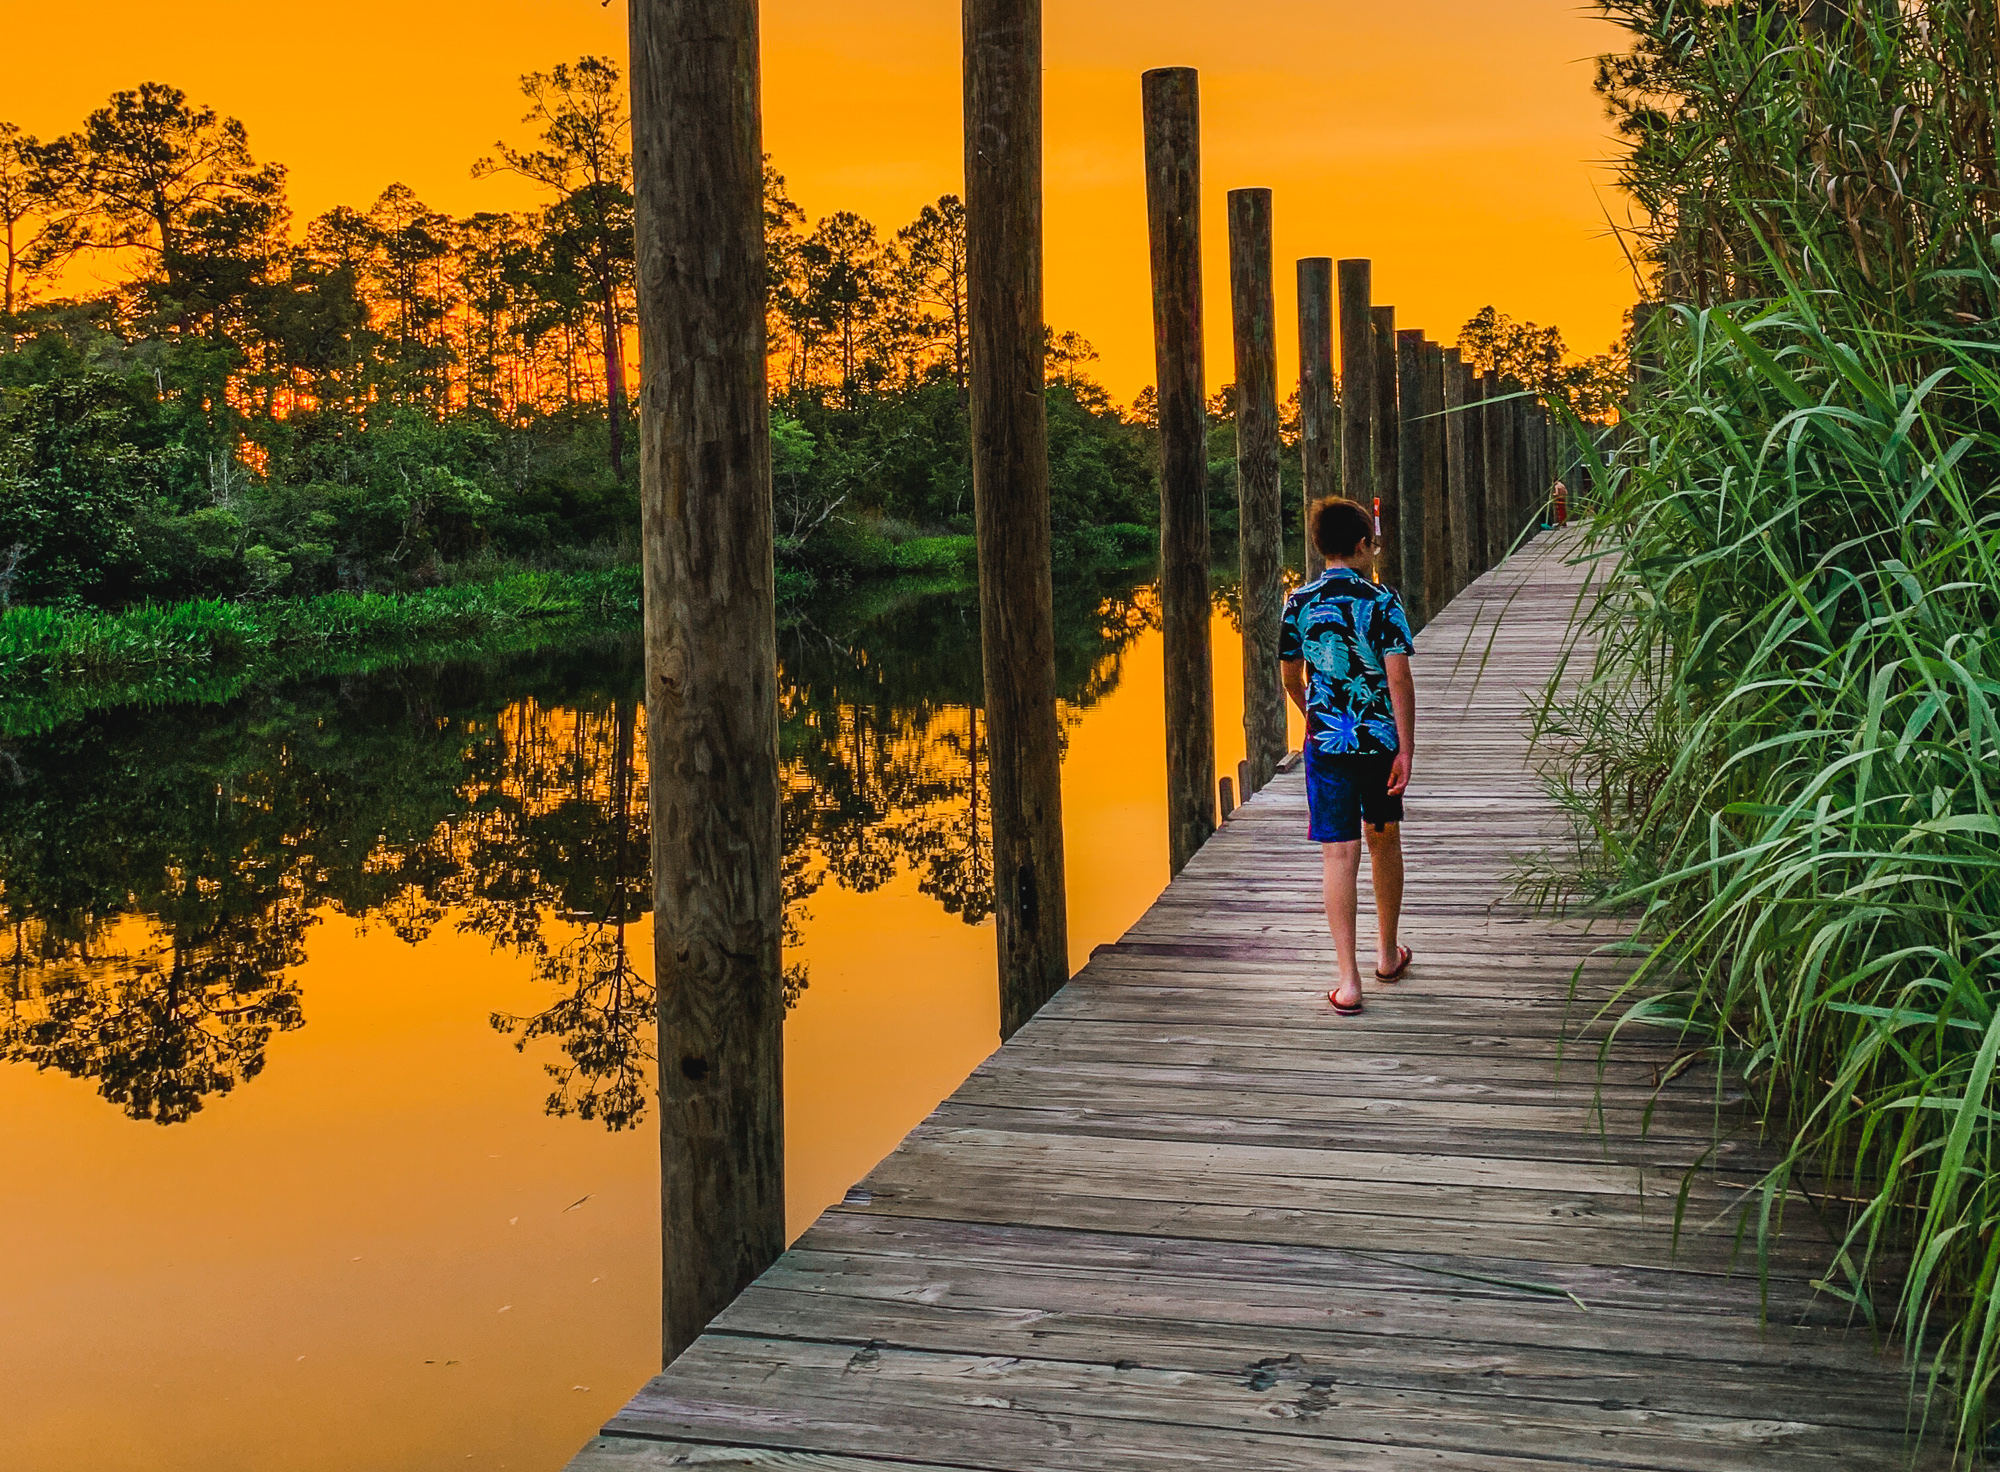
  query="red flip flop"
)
[
  {"x": 1402, "y": 965},
  {"x": 1341, "y": 1007}
]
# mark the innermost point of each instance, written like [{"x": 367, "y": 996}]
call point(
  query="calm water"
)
[{"x": 325, "y": 1035}]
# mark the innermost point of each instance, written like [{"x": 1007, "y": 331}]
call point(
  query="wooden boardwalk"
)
[{"x": 1189, "y": 1218}]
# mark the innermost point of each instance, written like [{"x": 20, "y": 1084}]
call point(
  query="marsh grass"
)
[
  {"x": 55, "y": 664},
  {"x": 1784, "y": 759},
  {"x": 1781, "y": 740}
]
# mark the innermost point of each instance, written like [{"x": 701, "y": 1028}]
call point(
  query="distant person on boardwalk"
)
[{"x": 1345, "y": 652}]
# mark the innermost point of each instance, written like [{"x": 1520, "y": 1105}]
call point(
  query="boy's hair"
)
[{"x": 1339, "y": 526}]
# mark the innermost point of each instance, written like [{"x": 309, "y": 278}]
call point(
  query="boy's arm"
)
[
  {"x": 1403, "y": 696},
  {"x": 1293, "y": 673}
]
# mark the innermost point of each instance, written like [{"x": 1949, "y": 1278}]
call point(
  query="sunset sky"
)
[{"x": 1456, "y": 142}]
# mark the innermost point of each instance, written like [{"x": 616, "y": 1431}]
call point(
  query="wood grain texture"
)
[
  {"x": 1498, "y": 443},
  {"x": 1319, "y": 406},
  {"x": 1438, "y": 585},
  {"x": 1173, "y": 214},
  {"x": 1187, "y": 1218},
  {"x": 1459, "y": 490},
  {"x": 711, "y": 649},
  {"x": 1522, "y": 448},
  {"x": 1357, "y": 381},
  {"x": 1475, "y": 473},
  {"x": 1407, "y": 573},
  {"x": 1010, "y": 488},
  {"x": 1260, "y": 514},
  {"x": 1388, "y": 446}
]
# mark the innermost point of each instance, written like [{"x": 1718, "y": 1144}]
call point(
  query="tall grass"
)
[{"x": 1785, "y": 749}]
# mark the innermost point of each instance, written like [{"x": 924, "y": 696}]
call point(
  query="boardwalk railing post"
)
[
  {"x": 1357, "y": 383},
  {"x": 1478, "y": 537},
  {"x": 1437, "y": 500},
  {"x": 1522, "y": 427},
  {"x": 1010, "y": 489},
  {"x": 1499, "y": 504},
  {"x": 1458, "y": 483},
  {"x": 1388, "y": 453},
  {"x": 1408, "y": 570},
  {"x": 1319, "y": 414},
  {"x": 1173, "y": 213},
  {"x": 711, "y": 651},
  {"x": 1260, "y": 514},
  {"x": 1539, "y": 487}
]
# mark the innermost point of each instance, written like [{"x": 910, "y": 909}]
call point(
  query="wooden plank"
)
[
  {"x": 1021, "y": 1412},
  {"x": 1188, "y": 1218}
]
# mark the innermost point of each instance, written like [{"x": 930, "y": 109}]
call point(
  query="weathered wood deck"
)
[{"x": 1189, "y": 1218}]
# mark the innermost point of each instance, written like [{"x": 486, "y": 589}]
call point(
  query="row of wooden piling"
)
[
  {"x": 1457, "y": 465},
  {"x": 1452, "y": 487}
]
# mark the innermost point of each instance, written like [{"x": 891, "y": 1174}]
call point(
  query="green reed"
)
[
  {"x": 44, "y": 650},
  {"x": 1783, "y": 751}
]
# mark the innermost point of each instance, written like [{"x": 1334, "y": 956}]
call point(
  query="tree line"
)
[
  {"x": 385, "y": 396},
  {"x": 390, "y": 396}
]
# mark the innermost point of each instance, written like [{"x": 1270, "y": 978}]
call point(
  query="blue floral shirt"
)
[{"x": 1343, "y": 626}]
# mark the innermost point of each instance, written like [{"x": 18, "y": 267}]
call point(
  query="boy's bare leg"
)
[
  {"x": 1342, "y": 862},
  {"x": 1385, "y": 863}
]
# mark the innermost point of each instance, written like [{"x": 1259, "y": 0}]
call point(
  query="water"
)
[{"x": 325, "y": 1033}]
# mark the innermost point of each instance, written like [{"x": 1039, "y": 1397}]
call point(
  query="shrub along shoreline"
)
[{"x": 56, "y": 663}]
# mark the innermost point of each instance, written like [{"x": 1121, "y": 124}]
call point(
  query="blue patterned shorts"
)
[{"x": 1343, "y": 791}]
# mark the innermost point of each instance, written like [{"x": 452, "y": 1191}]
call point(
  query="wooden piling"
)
[
  {"x": 711, "y": 651},
  {"x": 1319, "y": 410},
  {"x": 1388, "y": 453},
  {"x": 1260, "y": 513},
  {"x": 1010, "y": 490},
  {"x": 1498, "y": 452},
  {"x": 1458, "y": 481},
  {"x": 1538, "y": 459},
  {"x": 1437, "y": 501},
  {"x": 1173, "y": 213},
  {"x": 1478, "y": 536},
  {"x": 1357, "y": 382},
  {"x": 1524, "y": 470},
  {"x": 1408, "y": 569},
  {"x": 1228, "y": 792}
]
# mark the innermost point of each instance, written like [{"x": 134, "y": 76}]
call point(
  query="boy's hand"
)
[{"x": 1399, "y": 773}]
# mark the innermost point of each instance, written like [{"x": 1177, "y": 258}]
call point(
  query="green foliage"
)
[
  {"x": 71, "y": 659},
  {"x": 1539, "y": 359},
  {"x": 399, "y": 393},
  {"x": 162, "y": 863},
  {"x": 76, "y": 473},
  {"x": 1782, "y": 756}
]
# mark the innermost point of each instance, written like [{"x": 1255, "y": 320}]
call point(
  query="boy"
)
[{"x": 1350, "y": 635}]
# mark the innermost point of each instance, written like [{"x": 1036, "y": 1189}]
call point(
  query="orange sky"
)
[{"x": 1455, "y": 141}]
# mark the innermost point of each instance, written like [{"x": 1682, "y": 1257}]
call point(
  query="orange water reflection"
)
[{"x": 377, "y": 1249}]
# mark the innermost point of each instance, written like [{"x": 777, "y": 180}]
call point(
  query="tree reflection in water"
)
[{"x": 159, "y": 868}]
